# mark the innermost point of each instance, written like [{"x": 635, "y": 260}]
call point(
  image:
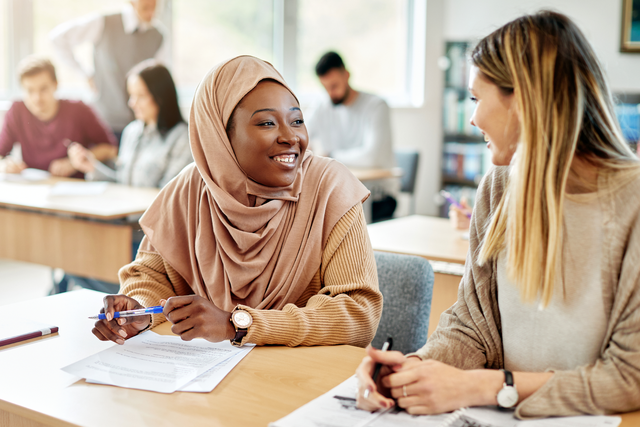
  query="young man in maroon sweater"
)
[{"x": 45, "y": 126}]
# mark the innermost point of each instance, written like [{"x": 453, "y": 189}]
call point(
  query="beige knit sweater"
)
[
  {"x": 341, "y": 305},
  {"x": 469, "y": 333}
]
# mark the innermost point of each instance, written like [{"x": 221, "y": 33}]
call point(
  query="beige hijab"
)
[{"x": 202, "y": 222}]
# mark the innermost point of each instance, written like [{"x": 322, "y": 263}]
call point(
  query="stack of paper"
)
[{"x": 161, "y": 363}]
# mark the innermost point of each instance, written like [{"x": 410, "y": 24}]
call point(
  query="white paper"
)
[
  {"x": 78, "y": 188},
  {"x": 153, "y": 362},
  {"x": 210, "y": 379},
  {"x": 27, "y": 175},
  {"x": 327, "y": 411}
]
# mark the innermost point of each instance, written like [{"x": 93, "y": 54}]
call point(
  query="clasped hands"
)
[
  {"x": 421, "y": 387},
  {"x": 192, "y": 317}
]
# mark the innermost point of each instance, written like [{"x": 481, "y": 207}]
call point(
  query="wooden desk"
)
[
  {"x": 431, "y": 238},
  {"x": 268, "y": 384},
  {"x": 374, "y": 174},
  {"x": 84, "y": 235}
]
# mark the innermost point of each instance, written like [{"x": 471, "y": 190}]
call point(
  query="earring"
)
[{"x": 486, "y": 138}]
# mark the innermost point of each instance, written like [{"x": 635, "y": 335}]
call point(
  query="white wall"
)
[{"x": 600, "y": 20}]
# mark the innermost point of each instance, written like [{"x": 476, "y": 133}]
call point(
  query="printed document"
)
[
  {"x": 159, "y": 363},
  {"x": 336, "y": 408}
]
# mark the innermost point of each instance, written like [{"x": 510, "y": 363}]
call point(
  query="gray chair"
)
[
  {"x": 406, "y": 283},
  {"x": 407, "y": 160}
]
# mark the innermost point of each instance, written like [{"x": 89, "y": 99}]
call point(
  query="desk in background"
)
[
  {"x": 84, "y": 235},
  {"x": 431, "y": 238},
  {"x": 365, "y": 175},
  {"x": 266, "y": 385}
]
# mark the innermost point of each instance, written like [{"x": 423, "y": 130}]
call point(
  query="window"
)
[
  {"x": 206, "y": 32},
  {"x": 49, "y": 14},
  {"x": 382, "y": 41},
  {"x": 374, "y": 38}
]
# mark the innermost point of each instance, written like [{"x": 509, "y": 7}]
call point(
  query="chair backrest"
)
[
  {"x": 406, "y": 283},
  {"x": 407, "y": 160}
]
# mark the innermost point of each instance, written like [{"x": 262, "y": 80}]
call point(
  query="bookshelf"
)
[{"x": 465, "y": 158}]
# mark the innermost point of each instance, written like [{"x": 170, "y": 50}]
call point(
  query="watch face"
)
[
  {"x": 242, "y": 319},
  {"x": 507, "y": 397}
]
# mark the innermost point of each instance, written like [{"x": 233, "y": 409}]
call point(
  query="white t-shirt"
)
[
  {"x": 357, "y": 135},
  {"x": 570, "y": 331}
]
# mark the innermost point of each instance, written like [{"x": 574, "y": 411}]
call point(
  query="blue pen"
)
[
  {"x": 130, "y": 313},
  {"x": 453, "y": 201}
]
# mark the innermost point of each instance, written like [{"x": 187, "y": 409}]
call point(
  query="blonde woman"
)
[{"x": 548, "y": 313}]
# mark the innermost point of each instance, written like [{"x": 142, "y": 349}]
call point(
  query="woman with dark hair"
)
[
  {"x": 154, "y": 147},
  {"x": 547, "y": 319}
]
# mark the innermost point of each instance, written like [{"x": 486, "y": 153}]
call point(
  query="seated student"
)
[
  {"x": 44, "y": 125},
  {"x": 550, "y": 292},
  {"x": 258, "y": 227},
  {"x": 153, "y": 150},
  {"x": 354, "y": 127},
  {"x": 155, "y": 146}
]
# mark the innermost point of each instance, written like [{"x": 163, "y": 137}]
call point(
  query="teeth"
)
[{"x": 285, "y": 159}]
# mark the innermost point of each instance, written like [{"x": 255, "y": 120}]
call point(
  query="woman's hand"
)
[
  {"x": 378, "y": 396},
  {"x": 62, "y": 167},
  {"x": 196, "y": 317},
  {"x": 117, "y": 330},
  {"x": 458, "y": 217},
  {"x": 432, "y": 387},
  {"x": 81, "y": 158}
]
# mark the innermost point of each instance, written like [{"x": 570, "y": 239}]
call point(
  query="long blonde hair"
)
[{"x": 565, "y": 110}]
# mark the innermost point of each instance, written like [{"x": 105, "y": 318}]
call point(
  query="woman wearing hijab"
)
[{"x": 259, "y": 241}]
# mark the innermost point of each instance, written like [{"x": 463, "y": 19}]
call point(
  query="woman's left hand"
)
[
  {"x": 196, "y": 317},
  {"x": 431, "y": 387}
]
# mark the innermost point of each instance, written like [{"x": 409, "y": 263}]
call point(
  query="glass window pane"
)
[
  {"x": 48, "y": 14},
  {"x": 370, "y": 35},
  {"x": 206, "y": 32}
]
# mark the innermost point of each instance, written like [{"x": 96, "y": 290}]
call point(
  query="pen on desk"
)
[
  {"x": 453, "y": 201},
  {"x": 130, "y": 313},
  {"x": 376, "y": 371}
]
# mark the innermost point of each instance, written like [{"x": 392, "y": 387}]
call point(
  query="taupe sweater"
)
[
  {"x": 469, "y": 333},
  {"x": 341, "y": 305}
]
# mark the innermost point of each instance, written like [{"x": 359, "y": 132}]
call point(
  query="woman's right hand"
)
[
  {"x": 81, "y": 158},
  {"x": 117, "y": 330},
  {"x": 378, "y": 396}
]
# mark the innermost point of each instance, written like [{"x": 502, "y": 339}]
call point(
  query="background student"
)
[
  {"x": 120, "y": 41},
  {"x": 44, "y": 125},
  {"x": 258, "y": 227},
  {"x": 354, "y": 127},
  {"x": 154, "y": 147},
  {"x": 550, "y": 293}
]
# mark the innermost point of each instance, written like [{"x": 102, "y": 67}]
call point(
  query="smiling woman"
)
[{"x": 260, "y": 241}]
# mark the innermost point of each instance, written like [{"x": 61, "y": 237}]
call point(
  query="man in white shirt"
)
[
  {"x": 354, "y": 128},
  {"x": 120, "y": 41}
]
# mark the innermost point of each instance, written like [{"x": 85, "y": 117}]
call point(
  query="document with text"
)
[
  {"x": 337, "y": 408},
  {"x": 162, "y": 363}
]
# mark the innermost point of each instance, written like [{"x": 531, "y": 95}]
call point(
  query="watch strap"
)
[
  {"x": 508, "y": 377},
  {"x": 240, "y": 334}
]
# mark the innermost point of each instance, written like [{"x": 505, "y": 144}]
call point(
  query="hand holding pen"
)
[{"x": 126, "y": 324}]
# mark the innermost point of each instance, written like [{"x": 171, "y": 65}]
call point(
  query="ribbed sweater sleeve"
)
[
  {"x": 347, "y": 305},
  {"x": 341, "y": 305}
]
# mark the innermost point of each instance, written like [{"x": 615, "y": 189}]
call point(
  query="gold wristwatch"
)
[{"x": 241, "y": 320}]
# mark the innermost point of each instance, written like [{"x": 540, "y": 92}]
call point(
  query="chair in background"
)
[
  {"x": 407, "y": 160},
  {"x": 406, "y": 283}
]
